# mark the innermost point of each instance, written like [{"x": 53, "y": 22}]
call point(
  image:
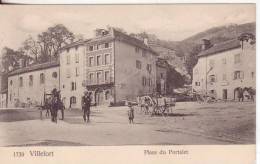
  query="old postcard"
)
[{"x": 128, "y": 83}]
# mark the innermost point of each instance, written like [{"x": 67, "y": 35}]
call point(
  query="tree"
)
[
  {"x": 8, "y": 59},
  {"x": 52, "y": 40},
  {"x": 192, "y": 59},
  {"x": 31, "y": 48},
  {"x": 174, "y": 79}
]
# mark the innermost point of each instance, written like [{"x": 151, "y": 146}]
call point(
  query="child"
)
[{"x": 131, "y": 113}]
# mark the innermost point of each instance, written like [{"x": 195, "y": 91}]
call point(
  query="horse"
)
[{"x": 56, "y": 105}]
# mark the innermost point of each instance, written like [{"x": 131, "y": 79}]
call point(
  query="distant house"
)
[
  {"x": 162, "y": 68},
  {"x": 225, "y": 67},
  {"x": 28, "y": 84},
  {"x": 3, "y": 90}
]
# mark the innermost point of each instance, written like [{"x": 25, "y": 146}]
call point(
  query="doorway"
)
[{"x": 224, "y": 94}]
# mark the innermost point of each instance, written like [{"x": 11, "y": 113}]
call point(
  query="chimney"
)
[
  {"x": 205, "y": 44},
  {"x": 101, "y": 32}
]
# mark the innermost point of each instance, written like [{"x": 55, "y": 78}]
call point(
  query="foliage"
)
[
  {"x": 52, "y": 40},
  {"x": 174, "y": 80},
  {"x": 46, "y": 45}
]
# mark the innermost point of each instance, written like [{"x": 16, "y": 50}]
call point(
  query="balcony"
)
[{"x": 103, "y": 82}]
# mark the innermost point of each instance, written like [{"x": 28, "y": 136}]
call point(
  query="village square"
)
[{"x": 119, "y": 87}]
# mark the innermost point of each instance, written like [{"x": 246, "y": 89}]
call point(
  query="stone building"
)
[
  {"x": 225, "y": 67},
  {"x": 27, "y": 85},
  {"x": 72, "y": 63},
  {"x": 113, "y": 66},
  {"x": 119, "y": 67},
  {"x": 3, "y": 90}
]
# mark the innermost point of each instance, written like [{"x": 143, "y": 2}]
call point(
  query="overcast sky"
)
[{"x": 170, "y": 22}]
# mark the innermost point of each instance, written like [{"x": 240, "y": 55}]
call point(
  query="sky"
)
[{"x": 169, "y": 22}]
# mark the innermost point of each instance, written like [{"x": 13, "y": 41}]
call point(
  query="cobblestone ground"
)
[{"x": 189, "y": 124}]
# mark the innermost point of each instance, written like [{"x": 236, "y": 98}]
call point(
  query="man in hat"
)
[{"x": 86, "y": 101}]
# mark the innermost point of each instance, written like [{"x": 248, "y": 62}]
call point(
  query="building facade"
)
[
  {"x": 161, "y": 76},
  {"x": 26, "y": 86},
  {"x": 72, "y": 63},
  {"x": 3, "y": 90},
  {"x": 225, "y": 67},
  {"x": 113, "y": 66},
  {"x": 118, "y": 67}
]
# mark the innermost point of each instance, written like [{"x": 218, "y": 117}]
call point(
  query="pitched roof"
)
[
  {"x": 35, "y": 67},
  {"x": 224, "y": 46},
  {"x": 73, "y": 44},
  {"x": 132, "y": 40}
]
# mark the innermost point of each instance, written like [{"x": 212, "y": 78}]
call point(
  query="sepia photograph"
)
[{"x": 121, "y": 75}]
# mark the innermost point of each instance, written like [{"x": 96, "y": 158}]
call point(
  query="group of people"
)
[{"x": 54, "y": 103}]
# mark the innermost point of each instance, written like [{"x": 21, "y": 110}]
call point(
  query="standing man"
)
[{"x": 86, "y": 101}]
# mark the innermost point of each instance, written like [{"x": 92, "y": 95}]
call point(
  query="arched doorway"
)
[
  {"x": 99, "y": 96},
  {"x": 236, "y": 93}
]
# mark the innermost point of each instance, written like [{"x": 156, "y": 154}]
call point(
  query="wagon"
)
[{"x": 156, "y": 105}]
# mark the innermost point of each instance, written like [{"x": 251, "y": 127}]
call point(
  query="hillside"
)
[{"x": 189, "y": 48}]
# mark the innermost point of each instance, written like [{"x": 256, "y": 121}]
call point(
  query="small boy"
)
[{"x": 131, "y": 113}]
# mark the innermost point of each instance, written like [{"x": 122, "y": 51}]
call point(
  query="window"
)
[
  {"x": 73, "y": 100},
  {"x": 224, "y": 61},
  {"x": 99, "y": 62},
  {"x": 77, "y": 71},
  {"x": 136, "y": 50},
  {"x": 95, "y": 47},
  {"x": 11, "y": 82},
  {"x": 238, "y": 75},
  {"x": 106, "y": 45},
  {"x": 252, "y": 74},
  {"x": 237, "y": 58},
  {"x": 73, "y": 86},
  {"x": 76, "y": 48},
  {"x": 68, "y": 59},
  {"x": 224, "y": 77},
  {"x": 68, "y": 73},
  {"x": 54, "y": 75},
  {"x": 150, "y": 82},
  {"x": 162, "y": 75},
  {"x": 68, "y": 50},
  {"x": 77, "y": 58},
  {"x": 107, "y": 95},
  {"x": 138, "y": 64},
  {"x": 91, "y": 48},
  {"x": 212, "y": 78},
  {"x": 149, "y": 68},
  {"x": 91, "y": 78},
  {"x": 106, "y": 76},
  {"x": 144, "y": 81},
  {"x": 31, "y": 80},
  {"x": 21, "y": 81},
  {"x": 107, "y": 59},
  {"x": 91, "y": 61},
  {"x": 197, "y": 83},
  {"x": 143, "y": 53},
  {"x": 42, "y": 78},
  {"x": 99, "y": 77}
]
